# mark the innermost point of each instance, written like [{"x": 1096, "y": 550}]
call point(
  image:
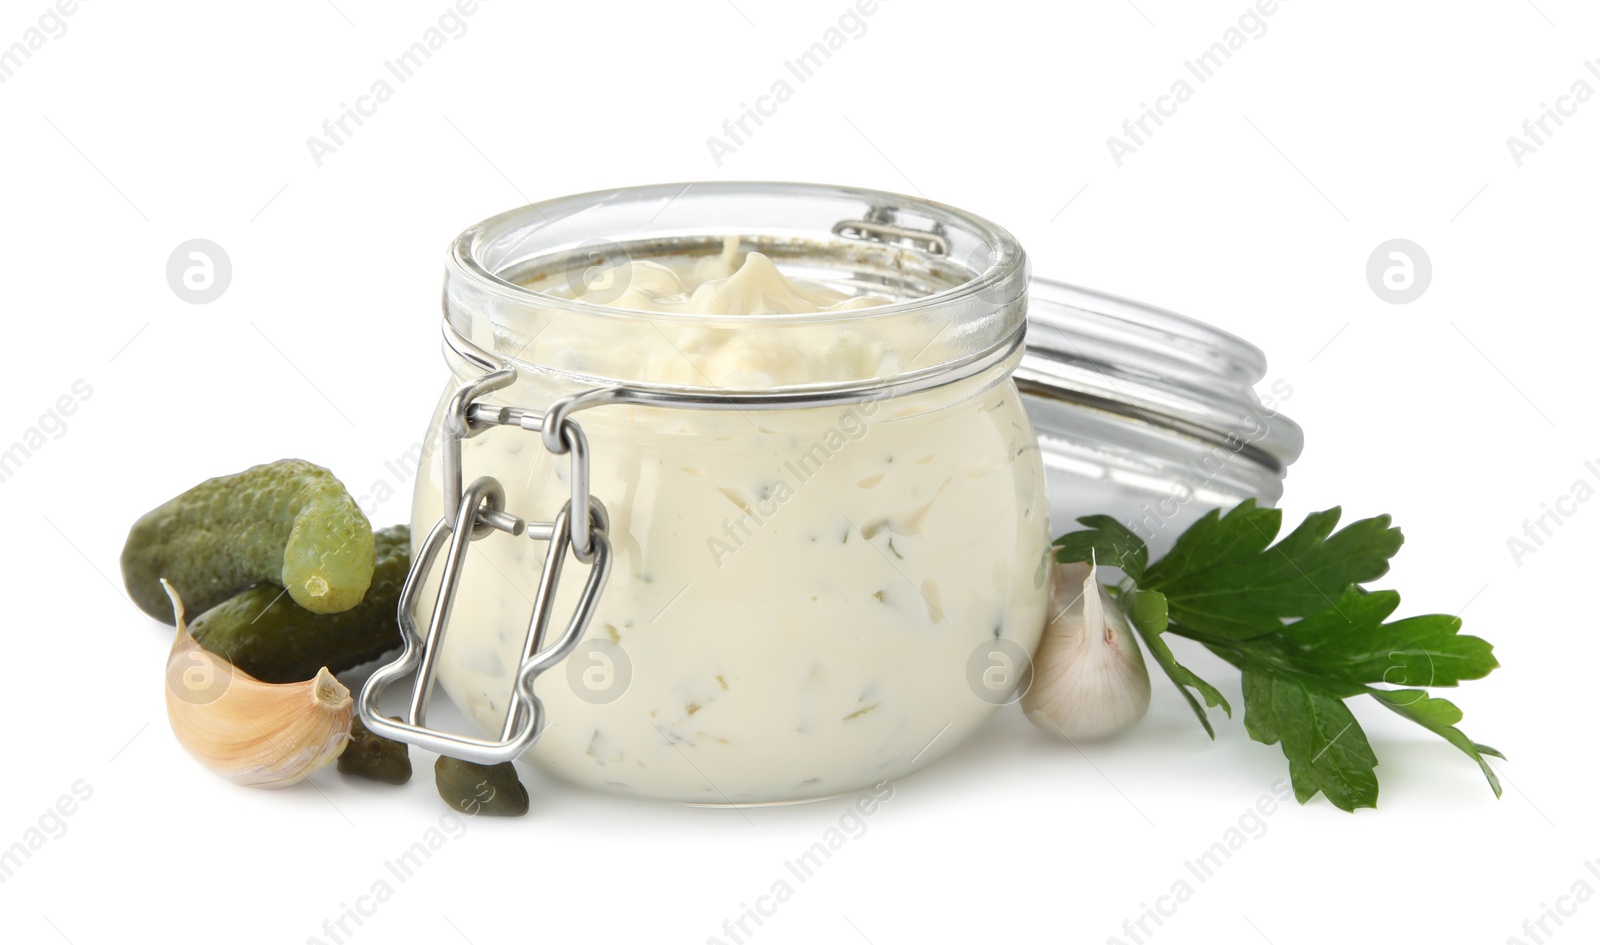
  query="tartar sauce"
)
[{"x": 796, "y": 597}]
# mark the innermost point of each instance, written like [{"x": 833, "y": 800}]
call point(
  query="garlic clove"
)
[
  {"x": 251, "y": 732},
  {"x": 1089, "y": 677}
]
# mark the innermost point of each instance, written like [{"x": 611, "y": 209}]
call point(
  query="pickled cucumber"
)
[
  {"x": 289, "y": 522},
  {"x": 274, "y": 639},
  {"x": 480, "y": 789},
  {"x": 374, "y": 757}
]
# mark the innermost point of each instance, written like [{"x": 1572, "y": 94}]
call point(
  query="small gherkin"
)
[
  {"x": 266, "y": 634},
  {"x": 291, "y": 523}
]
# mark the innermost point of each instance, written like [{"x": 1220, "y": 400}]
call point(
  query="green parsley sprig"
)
[{"x": 1293, "y": 617}]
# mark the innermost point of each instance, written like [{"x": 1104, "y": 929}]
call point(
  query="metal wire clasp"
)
[{"x": 471, "y": 514}]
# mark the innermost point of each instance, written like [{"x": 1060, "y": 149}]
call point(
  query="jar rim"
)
[
  {"x": 1007, "y": 261},
  {"x": 1152, "y": 367}
]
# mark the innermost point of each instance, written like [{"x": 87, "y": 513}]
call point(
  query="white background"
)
[{"x": 1255, "y": 207}]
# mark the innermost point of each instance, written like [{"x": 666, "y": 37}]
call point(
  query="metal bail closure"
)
[
  {"x": 880, "y": 225},
  {"x": 479, "y": 514}
]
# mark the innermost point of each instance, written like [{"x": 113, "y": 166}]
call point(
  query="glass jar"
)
[{"x": 814, "y": 522}]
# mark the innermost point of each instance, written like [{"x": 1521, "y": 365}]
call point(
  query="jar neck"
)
[
  {"x": 469, "y": 360},
  {"x": 723, "y": 419},
  {"x": 950, "y": 303}
]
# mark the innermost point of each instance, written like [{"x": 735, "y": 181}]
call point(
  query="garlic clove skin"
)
[
  {"x": 1089, "y": 677},
  {"x": 251, "y": 732}
]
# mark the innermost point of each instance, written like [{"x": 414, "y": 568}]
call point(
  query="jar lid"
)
[{"x": 1138, "y": 366}]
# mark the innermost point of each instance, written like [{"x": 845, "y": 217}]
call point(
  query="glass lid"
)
[{"x": 1151, "y": 367}]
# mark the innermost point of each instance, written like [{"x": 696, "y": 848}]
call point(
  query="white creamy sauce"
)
[
  {"x": 795, "y": 595},
  {"x": 731, "y": 283}
]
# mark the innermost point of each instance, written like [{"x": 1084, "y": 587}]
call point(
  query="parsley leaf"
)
[
  {"x": 1326, "y": 748},
  {"x": 1216, "y": 537},
  {"x": 1222, "y": 577},
  {"x": 1352, "y": 640},
  {"x": 1226, "y": 585},
  {"x": 1440, "y": 717}
]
